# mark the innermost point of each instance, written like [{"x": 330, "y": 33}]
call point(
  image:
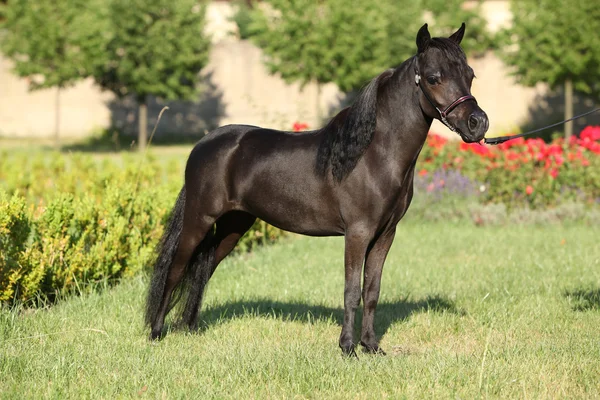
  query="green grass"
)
[{"x": 465, "y": 312}]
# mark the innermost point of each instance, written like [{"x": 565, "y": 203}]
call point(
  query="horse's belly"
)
[{"x": 305, "y": 215}]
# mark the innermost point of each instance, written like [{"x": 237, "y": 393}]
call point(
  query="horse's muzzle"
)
[{"x": 477, "y": 125}]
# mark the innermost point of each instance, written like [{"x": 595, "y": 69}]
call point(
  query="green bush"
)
[
  {"x": 14, "y": 232},
  {"x": 73, "y": 241},
  {"x": 71, "y": 221}
]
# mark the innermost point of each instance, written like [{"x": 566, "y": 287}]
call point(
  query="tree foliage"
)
[
  {"x": 50, "y": 42},
  {"x": 330, "y": 41},
  {"x": 349, "y": 43},
  {"x": 242, "y": 17},
  {"x": 47, "y": 40},
  {"x": 551, "y": 41},
  {"x": 154, "y": 47},
  {"x": 447, "y": 16}
]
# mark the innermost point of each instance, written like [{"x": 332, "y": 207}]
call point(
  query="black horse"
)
[{"x": 354, "y": 177}]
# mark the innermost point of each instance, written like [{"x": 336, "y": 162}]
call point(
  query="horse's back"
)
[
  {"x": 245, "y": 143},
  {"x": 215, "y": 148}
]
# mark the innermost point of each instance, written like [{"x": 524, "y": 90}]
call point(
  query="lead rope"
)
[{"x": 502, "y": 139}]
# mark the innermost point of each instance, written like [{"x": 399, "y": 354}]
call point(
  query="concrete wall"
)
[
  {"x": 83, "y": 108},
  {"x": 238, "y": 89}
]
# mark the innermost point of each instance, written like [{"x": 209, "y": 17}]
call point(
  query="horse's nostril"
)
[{"x": 473, "y": 122}]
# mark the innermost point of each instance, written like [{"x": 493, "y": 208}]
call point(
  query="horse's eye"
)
[{"x": 432, "y": 80}]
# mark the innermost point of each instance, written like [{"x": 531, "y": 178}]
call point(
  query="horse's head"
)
[{"x": 445, "y": 78}]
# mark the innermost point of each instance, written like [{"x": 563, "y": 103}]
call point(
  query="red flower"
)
[
  {"x": 554, "y": 149},
  {"x": 529, "y": 189},
  {"x": 476, "y": 148},
  {"x": 559, "y": 159},
  {"x": 422, "y": 172},
  {"x": 590, "y": 132},
  {"x": 512, "y": 155},
  {"x": 511, "y": 143},
  {"x": 537, "y": 146},
  {"x": 436, "y": 141},
  {"x": 554, "y": 173},
  {"x": 594, "y": 148},
  {"x": 299, "y": 126}
]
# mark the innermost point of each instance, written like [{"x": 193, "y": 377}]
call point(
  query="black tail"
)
[
  {"x": 166, "y": 254},
  {"x": 196, "y": 276}
]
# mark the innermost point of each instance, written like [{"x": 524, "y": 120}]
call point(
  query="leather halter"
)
[{"x": 443, "y": 113}]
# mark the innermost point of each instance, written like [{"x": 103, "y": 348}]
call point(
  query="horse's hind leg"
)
[
  {"x": 192, "y": 234},
  {"x": 230, "y": 228},
  {"x": 372, "y": 280}
]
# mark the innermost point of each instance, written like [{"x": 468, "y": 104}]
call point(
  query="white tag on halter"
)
[{"x": 417, "y": 79}]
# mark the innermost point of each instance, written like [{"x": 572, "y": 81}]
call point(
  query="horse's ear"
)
[
  {"x": 458, "y": 35},
  {"x": 423, "y": 38}
]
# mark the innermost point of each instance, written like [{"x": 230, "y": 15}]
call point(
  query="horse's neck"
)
[{"x": 401, "y": 125}]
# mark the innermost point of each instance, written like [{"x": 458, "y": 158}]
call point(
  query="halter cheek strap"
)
[{"x": 443, "y": 113}]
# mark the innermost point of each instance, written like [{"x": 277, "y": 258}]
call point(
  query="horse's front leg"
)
[
  {"x": 373, "y": 267},
  {"x": 354, "y": 256}
]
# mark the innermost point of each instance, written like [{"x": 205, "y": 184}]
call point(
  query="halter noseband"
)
[{"x": 443, "y": 113}]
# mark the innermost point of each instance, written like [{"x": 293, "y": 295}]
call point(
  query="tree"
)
[
  {"x": 47, "y": 41},
  {"x": 329, "y": 41},
  {"x": 447, "y": 16},
  {"x": 155, "y": 48},
  {"x": 555, "y": 43},
  {"x": 242, "y": 17}
]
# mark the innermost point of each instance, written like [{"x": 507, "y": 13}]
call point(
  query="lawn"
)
[{"x": 465, "y": 312}]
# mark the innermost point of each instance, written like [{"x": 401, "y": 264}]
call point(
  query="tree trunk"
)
[
  {"x": 57, "y": 119},
  {"x": 142, "y": 125},
  {"x": 568, "y": 108}
]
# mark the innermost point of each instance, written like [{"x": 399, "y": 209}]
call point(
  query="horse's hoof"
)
[
  {"x": 348, "y": 351},
  {"x": 155, "y": 335}
]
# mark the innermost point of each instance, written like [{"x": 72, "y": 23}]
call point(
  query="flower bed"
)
[{"x": 522, "y": 172}]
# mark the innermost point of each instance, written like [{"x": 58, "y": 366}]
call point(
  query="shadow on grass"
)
[
  {"x": 583, "y": 299},
  {"x": 387, "y": 313}
]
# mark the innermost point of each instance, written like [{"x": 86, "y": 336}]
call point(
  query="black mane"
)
[{"x": 350, "y": 132}]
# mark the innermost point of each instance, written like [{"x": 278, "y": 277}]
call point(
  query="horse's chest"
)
[
  {"x": 396, "y": 202},
  {"x": 399, "y": 202}
]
